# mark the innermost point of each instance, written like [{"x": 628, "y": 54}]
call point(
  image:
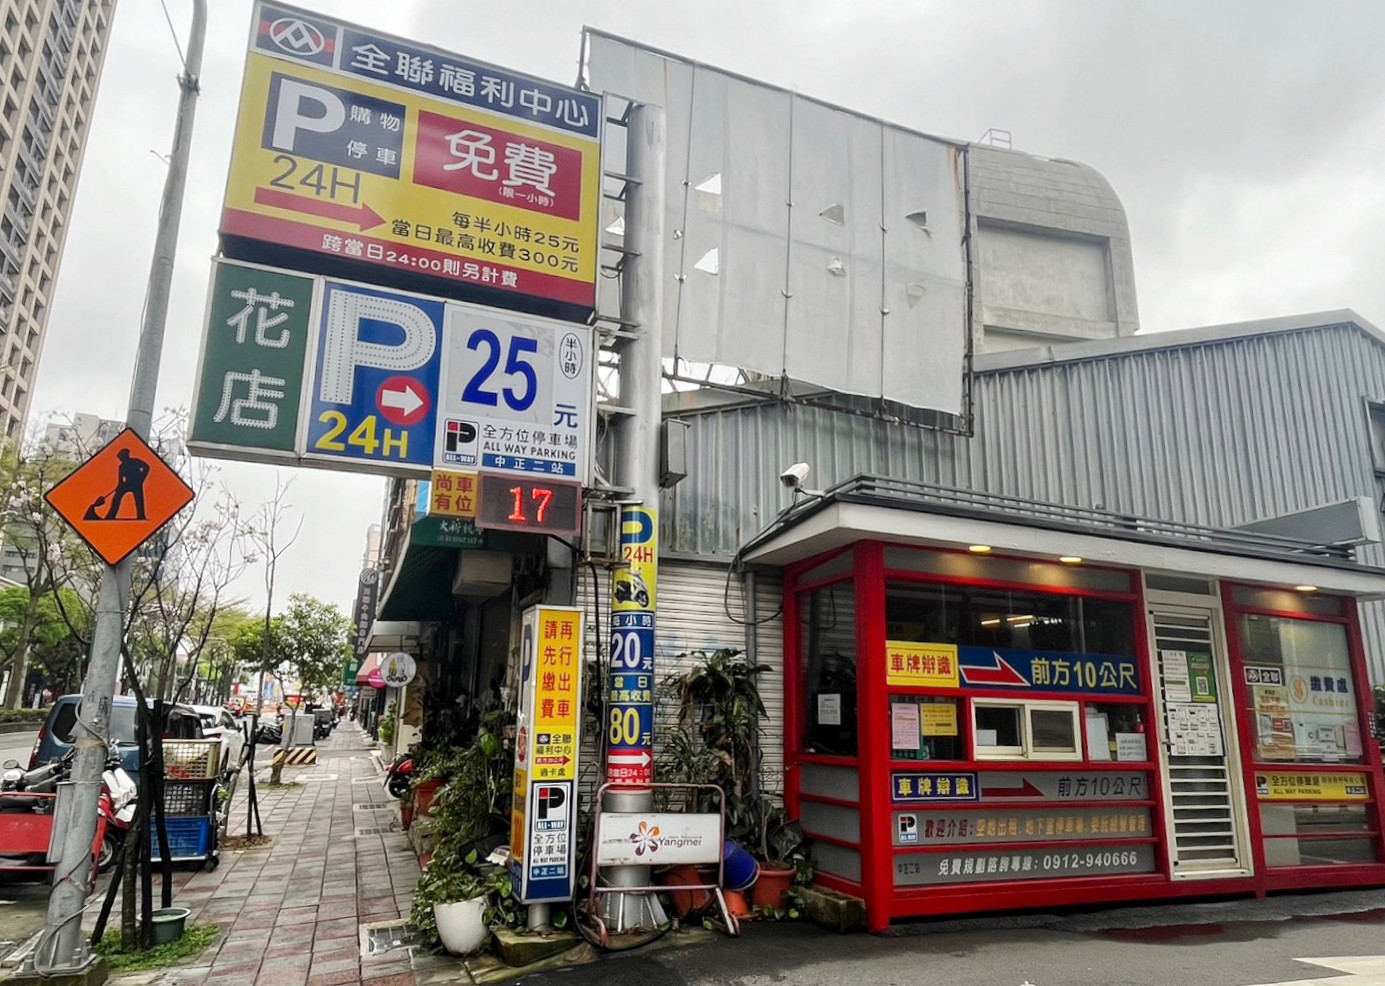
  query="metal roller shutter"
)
[{"x": 693, "y": 602}]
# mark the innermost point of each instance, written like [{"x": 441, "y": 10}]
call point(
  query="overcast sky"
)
[{"x": 1245, "y": 139}]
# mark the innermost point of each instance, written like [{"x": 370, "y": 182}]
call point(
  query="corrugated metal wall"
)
[
  {"x": 698, "y": 612},
  {"x": 1217, "y": 433}
]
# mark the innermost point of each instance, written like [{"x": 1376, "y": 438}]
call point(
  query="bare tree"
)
[{"x": 267, "y": 534}]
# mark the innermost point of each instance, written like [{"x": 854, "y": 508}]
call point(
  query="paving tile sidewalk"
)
[{"x": 291, "y": 913}]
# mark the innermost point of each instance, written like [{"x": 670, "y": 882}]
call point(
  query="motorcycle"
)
[
  {"x": 27, "y": 802},
  {"x": 399, "y": 775}
]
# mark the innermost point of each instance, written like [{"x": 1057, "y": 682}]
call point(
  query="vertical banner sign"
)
[
  {"x": 372, "y": 156},
  {"x": 630, "y": 684},
  {"x": 254, "y": 355},
  {"x": 543, "y": 837},
  {"x": 367, "y": 594}
]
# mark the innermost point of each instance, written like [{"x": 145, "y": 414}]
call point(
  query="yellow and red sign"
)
[
  {"x": 921, "y": 665},
  {"x": 1297, "y": 786},
  {"x": 120, "y": 497},
  {"x": 557, "y": 694},
  {"x": 453, "y": 494},
  {"x": 370, "y": 152}
]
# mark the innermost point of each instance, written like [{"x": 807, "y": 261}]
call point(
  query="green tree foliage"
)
[
  {"x": 53, "y": 648},
  {"x": 308, "y": 641}
]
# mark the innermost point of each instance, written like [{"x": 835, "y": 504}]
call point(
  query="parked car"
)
[
  {"x": 218, "y": 723},
  {"x": 56, "y": 734}
]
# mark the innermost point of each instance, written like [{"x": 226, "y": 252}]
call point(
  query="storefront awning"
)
[
  {"x": 901, "y": 512},
  {"x": 420, "y": 585},
  {"x": 371, "y": 662}
]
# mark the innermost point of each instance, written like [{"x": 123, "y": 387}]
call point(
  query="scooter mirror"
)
[{"x": 10, "y": 764}]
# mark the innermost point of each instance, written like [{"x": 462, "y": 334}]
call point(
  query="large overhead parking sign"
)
[
  {"x": 331, "y": 373},
  {"x": 379, "y": 159}
]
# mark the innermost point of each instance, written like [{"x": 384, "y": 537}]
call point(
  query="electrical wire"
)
[{"x": 176, "y": 44}]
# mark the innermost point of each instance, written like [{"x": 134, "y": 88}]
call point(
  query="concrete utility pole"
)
[
  {"x": 63, "y": 931},
  {"x": 637, "y": 467}
]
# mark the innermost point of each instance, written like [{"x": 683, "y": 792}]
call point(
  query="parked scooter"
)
[
  {"x": 399, "y": 775},
  {"x": 27, "y": 800}
]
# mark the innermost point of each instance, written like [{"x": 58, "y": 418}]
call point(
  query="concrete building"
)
[
  {"x": 51, "y": 54},
  {"x": 1053, "y": 252},
  {"x": 81, "y": 436}
]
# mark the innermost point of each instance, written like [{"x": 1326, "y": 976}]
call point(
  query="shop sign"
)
[
  {"x": 657, "y": 839},
  {"x": 1311, "y": 787},
  {"x": 1064, "y": 786},
  {"x": 446, "y": 532},
  {"x": 630, "y": 680},
  {"x": 920, "y": 665},
  {"x": 912, "y": 787},
  {"x": 1022, "y": 825},
  {"x": 1048, "y": 671},
  {"x": 1030, "y": 863},
  {"x": 367, "y": 596},
  {"x": 369, "y": 152},
  {"x": 542, "y": 834},
  {"x": 1264, "y": 676}
]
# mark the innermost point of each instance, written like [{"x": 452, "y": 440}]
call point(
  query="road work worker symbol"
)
[
  {"x": 120, "y": 497},
  {"x": 130, "y": 477}
]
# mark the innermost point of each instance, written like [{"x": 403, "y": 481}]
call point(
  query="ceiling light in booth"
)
[{"x": 979, "y": 549}]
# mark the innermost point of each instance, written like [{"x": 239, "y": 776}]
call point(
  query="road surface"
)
[
  {"x": 17, "y": 746},
  {"x": 1309, "y": 940}
]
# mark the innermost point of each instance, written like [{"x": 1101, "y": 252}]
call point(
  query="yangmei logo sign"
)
[{"x": 646, "y": 839}]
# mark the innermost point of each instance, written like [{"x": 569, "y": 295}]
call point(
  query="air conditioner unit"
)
[{"x": 482, "y": 574}]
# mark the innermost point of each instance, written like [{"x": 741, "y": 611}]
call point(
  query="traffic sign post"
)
[{"x": 120, "y": 497}]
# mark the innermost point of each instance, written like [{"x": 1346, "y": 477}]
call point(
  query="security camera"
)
[{"x": 793, "y": 477}]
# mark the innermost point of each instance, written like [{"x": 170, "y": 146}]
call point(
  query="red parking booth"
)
[{"x": 999, "y": 704}]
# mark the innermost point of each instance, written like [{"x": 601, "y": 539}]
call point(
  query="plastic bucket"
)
[
  {"x": 739, "y": 868},
  {"x": 169, "y": 923}
]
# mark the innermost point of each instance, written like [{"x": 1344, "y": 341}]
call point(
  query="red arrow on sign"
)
[
  {"x": 403, "y": 401},
  {"x": 363, "y": 217},
  {"x": 1025, "y": 790},
  {"x": 1001, "y": 674}
]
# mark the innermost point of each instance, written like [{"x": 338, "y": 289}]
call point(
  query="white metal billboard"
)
[{"x": 805, "y": 240}]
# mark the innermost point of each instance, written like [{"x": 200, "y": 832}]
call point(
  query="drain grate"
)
[
  {"x": 378, "y": 939},
  {"x": 365, "y": 780},
  {"x": 374, "y": 830},
  {"x": 372, "y": 805}
]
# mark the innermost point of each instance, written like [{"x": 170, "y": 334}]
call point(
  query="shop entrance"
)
[{"x": 1203, "y": 801}]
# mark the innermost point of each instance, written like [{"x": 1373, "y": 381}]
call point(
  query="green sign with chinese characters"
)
[
  {"x": 434, "y": 531},
  {"x": 349, "y": 670},
  {"x": 250, "y": 383}
]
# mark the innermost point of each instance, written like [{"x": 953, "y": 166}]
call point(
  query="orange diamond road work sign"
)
[{"x": 120, "y": 497}]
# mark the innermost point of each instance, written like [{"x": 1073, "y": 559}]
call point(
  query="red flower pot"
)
[{"x": 772, "y": 887}]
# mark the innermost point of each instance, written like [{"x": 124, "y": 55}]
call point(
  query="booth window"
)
[
  {"x": 1303, "y": 696},
  {"x": 1020, "y": 730},
  {"x": 944, "y": 614},
  {"x": 827, "y": 636},
  {"x": 1375, "y": 421}
]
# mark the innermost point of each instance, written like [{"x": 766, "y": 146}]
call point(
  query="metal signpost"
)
[{"x": 63, "y": 932}]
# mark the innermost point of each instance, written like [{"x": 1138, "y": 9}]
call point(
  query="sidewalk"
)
[{"x": 297, "y": 911}]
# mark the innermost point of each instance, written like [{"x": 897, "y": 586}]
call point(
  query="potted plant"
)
[{"x": 450, "y": 902}]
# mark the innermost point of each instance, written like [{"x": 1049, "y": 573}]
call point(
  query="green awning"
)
[{"x": 420, "y": 587}]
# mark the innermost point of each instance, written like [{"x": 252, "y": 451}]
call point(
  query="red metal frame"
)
[
  {"x": 874, "y": 763},
  {"x": 30, "y": 833}
]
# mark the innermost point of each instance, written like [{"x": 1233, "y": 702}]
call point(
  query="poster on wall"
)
[
  {"x": 1194, "y": 730},
  {"x": 904, "y": 726},
  {"x": 1175, "y": 673},
  {"x": 1274, "y": 729}
]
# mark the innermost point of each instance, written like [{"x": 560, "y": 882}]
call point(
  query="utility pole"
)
[
  {"x": 63, "y": 937},
  {"x": 634, "y": 608}
]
